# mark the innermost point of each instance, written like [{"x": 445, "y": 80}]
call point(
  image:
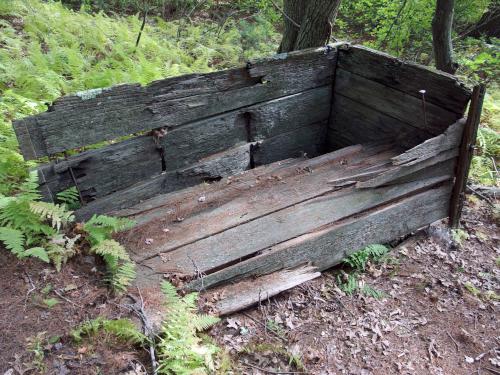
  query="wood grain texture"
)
[
  {"x": 442, "y": 89},
  {"x": 354, "y": 122},
  {"x": 393, "y": 103},
  {"x": 328, "y": 246},
  {"x": 247, "y": 293},
  {"x": 105, "y": 114},
  {"x": 222, "y": 164},
  {"x": 221, "y": 249},
  {"x": 450, "y": 139}
]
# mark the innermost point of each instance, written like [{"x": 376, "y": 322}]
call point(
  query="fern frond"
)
[
  {"x": 38, "y": 252},
  {"x": 60, "y": 249},
  {"x": 110, "y": 248},
  {"x": 101, "y": 227},
  {"x": 70, "y": 197},
  {"x": 13, "y": 240},
  {"x": 203, "y": 322},
  {"x": 28, "y": 190},
  {"x": 125, "y": 330},
  {"x": 57, "y": 214},
  {"x": 120, "y": 277},
  {"x": 170, "y": 293}
]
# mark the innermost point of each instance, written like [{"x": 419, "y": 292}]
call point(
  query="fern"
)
[
  {"x": 180, "y": 349},
  {"x": 70, "y": 197},
  {"x": 13, "y": 240},
  {"x": 124, "y": 329},
  {"x": 60, "y": 249},
  {"x": 121, "y": 270},
  {"x": 360, "y": 258},
  {"x": 101, "y": 227},
  {"x": 57, "y": 214}
]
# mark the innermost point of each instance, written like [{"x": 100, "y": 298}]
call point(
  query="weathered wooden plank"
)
[
  {"x": 103, "y": 171},
  {"x": 466, "y": 151},
  {"x": 108, "y": 169},
  {"x": 217, "y": 166},
  {"x": 394, "y": 174},
  {"x": 442, "y": 89},
  {"x": 354, "y": 122},
  {"x": 239, "y": 200},
  {"x": 239, "y": 242},
  {"x": 250, "y": 292},
  {"x": 448, "y": 140},
  {"x": 329, "y": 245},
  {"x": 394, "y": 103},
  {"x": 187, "y": 144},
  {"x": 98, "y": 115},
  {"x": 307, "y": 141}
]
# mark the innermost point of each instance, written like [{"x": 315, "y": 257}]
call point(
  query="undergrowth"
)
[{"x": 351, "y": 283}]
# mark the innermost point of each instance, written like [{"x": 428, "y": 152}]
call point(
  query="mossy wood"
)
[{"x": 273, "y": 171}]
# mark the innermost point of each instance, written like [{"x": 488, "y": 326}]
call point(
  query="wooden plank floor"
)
[{"x": 268, "y": 219}]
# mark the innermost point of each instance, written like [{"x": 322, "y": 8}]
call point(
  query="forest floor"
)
[{"x": 437, "y": 312}]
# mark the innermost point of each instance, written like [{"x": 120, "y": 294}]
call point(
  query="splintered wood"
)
[{"x": 250, "y": 227}]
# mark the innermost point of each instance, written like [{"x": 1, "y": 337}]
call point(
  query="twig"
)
[
  {"x": 286, "y": 15},
  {"x": 492, "y": 370},
  {"x": 479, "y": 194},
  {"x": 33, "y": 287},
  {"x": 67, "y": 299},
  {"x": 271, "y": 371},
  {"x": 262, "y": 324},
  {"x": 148, "y": 331},
  {"x": 452, "y": 339}
]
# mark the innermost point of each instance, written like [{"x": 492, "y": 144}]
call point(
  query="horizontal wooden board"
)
[
  {"x": 103, "y": 171},
  {"x": 105, "y": 114},
  {"x": 224, "y": 248},
  {"x": 393, "y": 103},
  {"x": 217, "y": 166},
  {"x": 232, "y": 202},
  {"x": 108, "y": 169},
  {"x": 308, "y": 141},
  {"x": 250, "y": 292},
  {"x": 329, "y": 245},
  {"x": 353, "y": 122},
  {"x": 442, "y": 89}
]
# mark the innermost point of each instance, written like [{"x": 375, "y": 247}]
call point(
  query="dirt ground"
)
[{"x": 437, "y": 313}]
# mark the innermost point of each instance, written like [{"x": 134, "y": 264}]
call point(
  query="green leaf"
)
[{"x": 38, "y": 252}]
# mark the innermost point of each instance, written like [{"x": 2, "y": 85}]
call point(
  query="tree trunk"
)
[
  {"x": 308, "y": 23},
  {"x": 441, "y": 36},
  {"x": 489, "y": 24}
]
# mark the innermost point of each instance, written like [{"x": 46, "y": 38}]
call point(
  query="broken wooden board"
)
[{"x": 247, "y": 293}]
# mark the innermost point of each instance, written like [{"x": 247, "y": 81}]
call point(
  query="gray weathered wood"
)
[
  {"x": 241, "y": 241},
  {"x": 120, "y": 165},
  {"x": 393, "y": 175},
  {"x": 98, "y": 115},
  {"x": 448, "y": 140},
  {"x": 237, "y": 201},
  {"x": 307, "y": 141},
  {"x": 394, "y": 103},
  {"x": 250, "y": 292},
  {"x": 223, "y": 164},
  {"x": 442, "y": 89},
  {"x": 353, "y": 122},
  {"x": 329, "y": 245},
  {"x": 103, "y": 171}
]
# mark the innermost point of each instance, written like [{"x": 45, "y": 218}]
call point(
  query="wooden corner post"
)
[{"x": 466, "y": 153}]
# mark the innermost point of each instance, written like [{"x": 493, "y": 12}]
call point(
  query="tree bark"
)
[
  {"x": 488, "y": 25},
  {"x": 441, "y": 36},
  {"x": 308, "y": 23}
]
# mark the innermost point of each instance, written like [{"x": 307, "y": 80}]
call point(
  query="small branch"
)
[
  {"x": 480, "y": 195},
  {"x": 452, "y": 339},
  {"x": 286, "y": 15},
  {"x": 67, "y": 299}
]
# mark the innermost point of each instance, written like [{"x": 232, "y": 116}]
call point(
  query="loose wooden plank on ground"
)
[
  {"x": 442, "y": 89},
  {"x": 249, "y": 292}
]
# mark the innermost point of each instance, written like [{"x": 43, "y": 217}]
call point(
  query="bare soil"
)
[{"x": 439, "y": 314}]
